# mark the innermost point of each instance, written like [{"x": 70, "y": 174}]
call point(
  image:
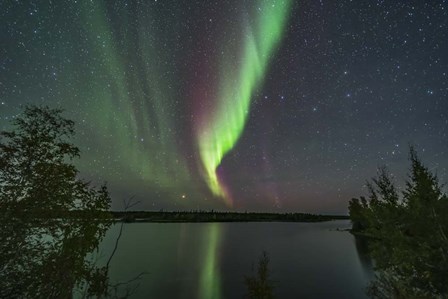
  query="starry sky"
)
[{"x": 263, "y": 105}]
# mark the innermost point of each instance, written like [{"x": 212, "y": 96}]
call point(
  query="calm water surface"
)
[{"x": 210, "y": 260}]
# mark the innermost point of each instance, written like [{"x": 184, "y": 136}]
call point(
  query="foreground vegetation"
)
[
  {"x": 50, "y": 220},
  {"x": 213, "y": 216},
  {"x": 259, "y": 285},
  {"x": 407, "y": 233}
]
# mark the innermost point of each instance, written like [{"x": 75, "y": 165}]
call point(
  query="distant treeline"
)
[{"x": 214, "y": 216}]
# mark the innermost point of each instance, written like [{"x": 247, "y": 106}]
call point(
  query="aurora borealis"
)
[
  {"x": 219, "y": 135},
  {"x": 248, "y": 105}
]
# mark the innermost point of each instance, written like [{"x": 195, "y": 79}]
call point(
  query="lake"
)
[{"x": 210, "y": 260}]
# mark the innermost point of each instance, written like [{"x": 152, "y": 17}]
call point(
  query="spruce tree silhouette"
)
[{"x": 407, "y": 235}]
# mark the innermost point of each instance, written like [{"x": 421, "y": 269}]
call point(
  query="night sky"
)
[{"x": 246, "y": 105}]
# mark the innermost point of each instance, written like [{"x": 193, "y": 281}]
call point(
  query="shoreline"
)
[{"x": 201, "y": 217}]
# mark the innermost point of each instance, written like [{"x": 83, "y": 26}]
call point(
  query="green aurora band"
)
[
  {"x": 129, "y": 95},
  {"x": 218, "y": 136}
]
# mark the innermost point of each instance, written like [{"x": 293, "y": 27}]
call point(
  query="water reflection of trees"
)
[
  {"x": 362, "y": 249},
  {"x": 48, "y": 258}
]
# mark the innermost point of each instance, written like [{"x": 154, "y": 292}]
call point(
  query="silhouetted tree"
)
[
  {"x": 50, "y": 219},
  {"x": 408, "y": 235},
  {"x": 260, "y": 286},
  {"x": 357, "y": 217},
  {"x": 37, "y": 176}
]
